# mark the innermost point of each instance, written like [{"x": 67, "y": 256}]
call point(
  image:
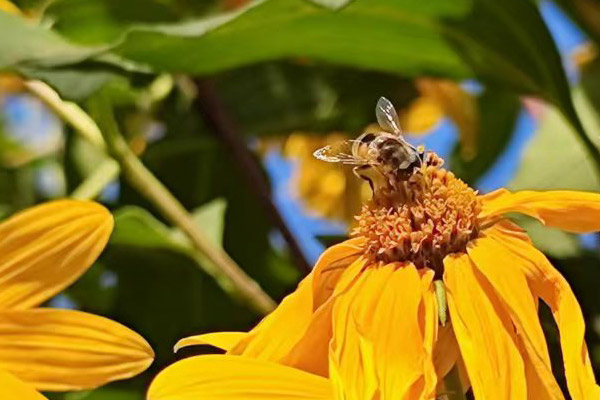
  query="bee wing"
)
[
  {"x": 340, "y": 152},
  {"x": 387, "y": 116}
]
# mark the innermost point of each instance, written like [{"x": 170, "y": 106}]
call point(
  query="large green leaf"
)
[
  {"x": 276, "y": 98},
  {"x": 23, "y": 43},
  {"x": 554, "y": 159},
  {"x": 503, "y": 44}
]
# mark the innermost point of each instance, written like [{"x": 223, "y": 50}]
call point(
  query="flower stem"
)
[
  {"x": 91, "y": 188},
  {"x": 218, "y": 263},
  {"x": 215, "y": 261},
  {"x": 68, "y": 112},
  {"x": 453, "y": 385}
]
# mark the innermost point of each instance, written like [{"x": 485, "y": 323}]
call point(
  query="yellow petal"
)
[
  {"x": 510, "y": 284},
  {"x": 69, "y": 350},
  {"x": 571, "y": 211},
  {"x": 422, "y": 115},
  {"x": 45, "y": 248},
  {"x": 222, "y": 340},
  {"x": 429, "y": 321},
  {"x": 330, "y": 267},
  {"x": 302, "y": 329},
  {"x": 9, "y": 7},
  {"x": 381, "y": 343},
  {"x": 547, "y": 283},
  {"x": 484, "y": 333},
  {"x": 221, "y": 377},
  {"x": 12, "y": 388},
  {"x": 310, "y": 354},
  {"x": 459, "y": 105},
  {"x": 287, "y": 323}
]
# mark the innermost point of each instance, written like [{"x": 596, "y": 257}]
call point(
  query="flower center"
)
[{"x": 421, "y": 219}]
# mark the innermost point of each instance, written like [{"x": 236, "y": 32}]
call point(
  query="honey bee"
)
[{"x": 386, "y": 152}]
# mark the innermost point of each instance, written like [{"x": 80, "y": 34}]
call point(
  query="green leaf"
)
[
  {"x": 458, "y": 39},
  {"x": 73, "y": 84},
  {"x": 209, "y": 218},
  {"x": 503, "y": 44},
  {"x": 135, "y": 226},
  {"x": 23, "y": 43},
  {"x": 287, "y": 97},
  {"x": 104, "y": 21},
  {"x": 554, "y": 159},
  {"x": 333, "y": 4},
  {"x": 103, "y": 393},
  {"x": 498, "y": 112},
  {"x": 554, "y": 242}
]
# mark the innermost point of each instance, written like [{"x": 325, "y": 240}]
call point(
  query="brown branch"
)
[{"x": 215, "y": 115}]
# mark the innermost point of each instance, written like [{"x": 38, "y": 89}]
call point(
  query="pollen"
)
[{"x": 421, "y": 219}]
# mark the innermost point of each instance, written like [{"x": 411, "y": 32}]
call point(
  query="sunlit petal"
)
[
  {"x": 571, "y": 211},
  {"x": 12, "y": 388},
  {"x": 511, "y": 286},
  {"x": 381, "y": 341},
  {"x": 221, "y": 340},
  {"x": 69, "y": 350},
  {"x": 303, "y": 330},
  {"x": 330, "y": 267},
  {"x": 287, "y": 323},
  {"x": 232, "y": 378},
  {"x": 484, "y": 333},
  {"x": 45, "y": 248},
  {"x": 547, "y": 283}
]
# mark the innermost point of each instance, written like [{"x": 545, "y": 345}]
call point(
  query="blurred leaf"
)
[
  {"x": 95, "y": 291},
  {"x": 498, "y": 113},
  {"x": 554, "y": 242},
  {"x": 590, "y": 82},
  {"x": 23, "y": 43},
  {"x": 209, "y": 218},
  {"x": 277, "y": 98},
  {"x": 96, "y": 22},
  {"x": 333, "y": 4},
  {"x": 458, "y": 39},
  {"x": 103, "y": 393},
  {"x": 330, "y": 240},
  {"x": 197, "y": 170},
  {"x": 72, "y": 84},
  {"x": 135, "y": 226},
  {"x": 555, "y": 159}
]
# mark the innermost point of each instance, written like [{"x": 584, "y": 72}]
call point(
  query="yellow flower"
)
[
  {"x": 43, "y": 250},
  {"x": 364, "y": 323},
  {"x": 325, "y": 189}
]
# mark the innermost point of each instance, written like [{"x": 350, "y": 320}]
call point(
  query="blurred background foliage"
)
[{"x": 224, "y": 101}]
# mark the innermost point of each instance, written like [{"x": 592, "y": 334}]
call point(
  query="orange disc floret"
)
[{"x": 423, "y": 219}]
